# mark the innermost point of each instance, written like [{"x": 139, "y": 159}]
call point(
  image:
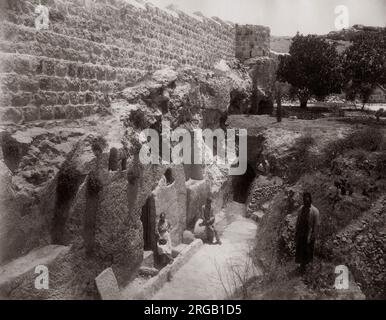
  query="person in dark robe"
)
[
  {"x": 307, "y": 226},
  {"x": 208, "y": 222}
]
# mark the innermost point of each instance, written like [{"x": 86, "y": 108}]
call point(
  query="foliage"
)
[
  {"x": 98, "y": 145},
  {"x": 313, "y": 68},
  {"x": 364, "y": 64},
  {"x": 137, "y": 117}
]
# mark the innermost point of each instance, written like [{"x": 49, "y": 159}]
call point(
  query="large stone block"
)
[
  {"x": 107, "y": 285},
  {"x": 30, "y": 113},
  {"x": 11, "y": 115}
]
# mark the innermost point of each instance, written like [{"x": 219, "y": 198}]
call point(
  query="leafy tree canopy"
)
[
  {"x": 313, "y": 68},
  {"x": 364, "y": 64}
]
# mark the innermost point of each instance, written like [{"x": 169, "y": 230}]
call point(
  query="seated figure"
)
[{"x": 164, "y": 243}]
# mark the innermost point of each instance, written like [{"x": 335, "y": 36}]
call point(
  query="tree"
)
[
  {"x": 313, "y": 68},
  {"x": 364, "y": 64},
  {"x": 278, "y": 96}
]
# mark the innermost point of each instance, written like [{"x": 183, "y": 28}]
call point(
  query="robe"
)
[{"x": 307, "y": 226}]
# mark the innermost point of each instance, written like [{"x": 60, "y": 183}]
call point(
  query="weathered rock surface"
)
[
  {"x": 107, "y": 285},
  {"x": 188, "y": 237},
  {"x": 105, "y": 186}
]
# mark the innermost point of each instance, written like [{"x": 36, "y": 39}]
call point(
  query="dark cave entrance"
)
[
  {"x": 265, "y": 106},
  {"x": 148, "y": 224},
  {"x": 241, "y": 184}
]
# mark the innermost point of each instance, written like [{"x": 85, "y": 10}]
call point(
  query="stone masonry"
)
[
  {"x": 252, "y": 41},
  {"x": 93, "y": 49}
]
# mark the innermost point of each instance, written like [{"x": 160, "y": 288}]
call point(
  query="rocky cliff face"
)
[
  {"x": 343, "y": 169},
  {"x": 93, "y": 50},
  {"x": 80, "y": 184}
]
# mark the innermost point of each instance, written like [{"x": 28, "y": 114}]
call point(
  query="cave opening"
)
[
  {"x": 68, "y": 181},
  {"x": 169, "y": 176},
  {"x": 241, "y": 185},
  {"x": 11, "y": 154},
  {"x": 149, "y": 226}
]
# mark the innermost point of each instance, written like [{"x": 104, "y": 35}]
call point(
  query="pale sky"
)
[{"x": 286, "y": 17}]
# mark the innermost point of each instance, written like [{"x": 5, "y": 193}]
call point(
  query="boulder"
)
[
  {"x": 188, "y": 237},
  {"x": 200, "y": 232},
  {"x": 107, "y": 285}
]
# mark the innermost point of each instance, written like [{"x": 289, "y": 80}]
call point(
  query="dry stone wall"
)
[
  {"x": 252, "y": 41},
  {"x": 92, "y": 50}
]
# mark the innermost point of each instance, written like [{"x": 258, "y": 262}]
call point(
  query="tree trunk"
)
[
  {"x": 278, "y": 101},
  {"x": 279, "y": 114},
  {"x": 303, "y": 103}
]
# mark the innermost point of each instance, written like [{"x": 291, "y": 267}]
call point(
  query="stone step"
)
[
  {"x": 148, "y": 259},
  {"x": 178, "y": 249},
  {"x": 141, "y": 289}
]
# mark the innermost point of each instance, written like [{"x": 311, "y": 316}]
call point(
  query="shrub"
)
[
  {"x": 137, "y": 117},
  {"x": 98, "y": 145}
]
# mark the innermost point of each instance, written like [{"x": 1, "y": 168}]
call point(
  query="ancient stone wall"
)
[
  {"x": 91, "y": 50},
  {"x": 252, "y": 41}
]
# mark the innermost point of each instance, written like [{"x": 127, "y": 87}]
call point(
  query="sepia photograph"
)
[{"x": 174, "y": 150}]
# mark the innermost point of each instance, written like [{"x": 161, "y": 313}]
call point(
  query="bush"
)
[
  {"x": 98, "y": 145},
  {"x": 137, "y": 117}
]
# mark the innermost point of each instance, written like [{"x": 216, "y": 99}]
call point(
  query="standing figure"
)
[
  {"x": 208, "y": 222},
  {"x": 164, "y": 243},
  {"x": 307, "y": 226}
]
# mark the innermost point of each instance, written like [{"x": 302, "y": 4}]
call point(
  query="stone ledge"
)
[{"x": 166, "y": 274}]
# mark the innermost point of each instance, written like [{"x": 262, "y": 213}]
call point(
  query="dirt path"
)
[{"x": 215, "y": 271}]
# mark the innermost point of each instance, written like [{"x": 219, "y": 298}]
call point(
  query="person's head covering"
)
[{"x": 307, "y": 198}]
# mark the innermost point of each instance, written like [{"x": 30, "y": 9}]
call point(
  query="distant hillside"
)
[
  {"x": 349, "y": 34},
  {"x": 280, "y": 44},
  {"x": 342, "y": 38}
]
